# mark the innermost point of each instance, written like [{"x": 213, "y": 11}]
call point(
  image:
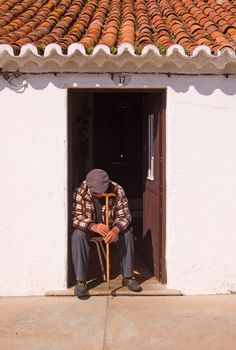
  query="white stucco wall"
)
[
  {"x": 33, "y": 193},
  {"x": 201, "y": 190},
  {"x": 200, "y": 178}
]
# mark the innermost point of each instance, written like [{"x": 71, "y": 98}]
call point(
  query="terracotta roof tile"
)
[{"x": 113, "y": 22}]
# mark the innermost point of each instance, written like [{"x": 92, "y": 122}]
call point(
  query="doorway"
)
[{"x": 124, "y": 134}]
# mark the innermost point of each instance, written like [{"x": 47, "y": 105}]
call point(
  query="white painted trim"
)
[{"x": 175, "y": 55}]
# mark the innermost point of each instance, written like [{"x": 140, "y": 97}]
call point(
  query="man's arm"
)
[
  {"x": 80, "y": 219},
  {"x": 122, "y": 217}
]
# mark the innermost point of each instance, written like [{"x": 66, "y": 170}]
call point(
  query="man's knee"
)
[
  {"x": 128, "y": 235},
  {"x": 78, "y": 235}
]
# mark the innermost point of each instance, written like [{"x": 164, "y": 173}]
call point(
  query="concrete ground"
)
[{"x": 102, "y": 323}]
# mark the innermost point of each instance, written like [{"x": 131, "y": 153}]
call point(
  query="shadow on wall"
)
[{"x": 204, "y": 84}]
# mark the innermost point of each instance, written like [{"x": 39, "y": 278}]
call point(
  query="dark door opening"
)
[{"x": 122, "y": 133}]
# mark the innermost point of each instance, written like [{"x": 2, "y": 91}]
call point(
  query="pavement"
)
[{"x": 118, "y": 322}]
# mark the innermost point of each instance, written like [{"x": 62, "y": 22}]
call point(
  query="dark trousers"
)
[{"x": 81, "y": 249}]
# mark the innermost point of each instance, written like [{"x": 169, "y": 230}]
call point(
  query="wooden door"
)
[{"x": 153, "y": 198}]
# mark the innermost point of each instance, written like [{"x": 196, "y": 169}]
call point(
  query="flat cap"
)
[{"x": 97, "y": 180}]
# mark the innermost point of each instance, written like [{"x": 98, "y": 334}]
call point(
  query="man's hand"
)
[
  {"x": 112, "y": 235},
  {"x": 101, "y": 229}
]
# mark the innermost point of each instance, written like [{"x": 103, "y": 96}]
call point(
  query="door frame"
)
[{"x": 162, "y": 214}]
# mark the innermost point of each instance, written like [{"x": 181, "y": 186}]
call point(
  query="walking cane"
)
[{"x": 107, "y": 195}]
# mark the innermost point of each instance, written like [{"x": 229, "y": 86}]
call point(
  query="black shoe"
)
[
  {"x": 81, "y": 289},
  {"x": 132, "y": 284}
]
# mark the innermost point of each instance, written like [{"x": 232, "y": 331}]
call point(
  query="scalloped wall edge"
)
[{"x": 175, "y": 54}]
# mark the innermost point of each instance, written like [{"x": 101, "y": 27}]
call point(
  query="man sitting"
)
[{"x": 89, "y": 221}]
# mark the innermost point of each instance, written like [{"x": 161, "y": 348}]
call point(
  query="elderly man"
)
[{"x": 89, "y": 221}]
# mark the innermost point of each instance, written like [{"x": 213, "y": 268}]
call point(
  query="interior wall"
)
[
  {"x": 80, "y": 155},
  {"x": 33, "y": 189},
  {"x": 80, "y": 118}
]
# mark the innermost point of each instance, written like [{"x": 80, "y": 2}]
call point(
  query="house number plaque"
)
[{"x": 121, "y": 79}]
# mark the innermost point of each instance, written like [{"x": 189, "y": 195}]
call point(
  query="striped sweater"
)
[{"x": 84, "y": 211}]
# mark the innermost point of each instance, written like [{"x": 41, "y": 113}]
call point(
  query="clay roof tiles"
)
[{"x": 162, "y": 23}]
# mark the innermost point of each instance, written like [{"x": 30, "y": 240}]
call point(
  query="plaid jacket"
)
[{"x": 84, "y": 211}]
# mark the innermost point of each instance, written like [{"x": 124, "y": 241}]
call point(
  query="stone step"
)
[{"x": 150, "y": 287}]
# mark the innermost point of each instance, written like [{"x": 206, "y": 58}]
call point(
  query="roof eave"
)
[{"x": 150, "y": 59}]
